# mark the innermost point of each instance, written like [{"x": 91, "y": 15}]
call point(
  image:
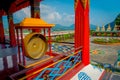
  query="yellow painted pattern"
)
[
  {"x": 75, "y": 3},
  {"x": 68, "y": 70},
  {"x": 84, "y": 2},
  {"x": 36, "y": 63}
]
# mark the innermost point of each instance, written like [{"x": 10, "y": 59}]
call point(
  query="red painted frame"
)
[
  {"x": 82, "y": 29},
  {"x": 2, "y": 36},
  {"x": 81, "y": 37},
  {"x": 19, "y": 32}
]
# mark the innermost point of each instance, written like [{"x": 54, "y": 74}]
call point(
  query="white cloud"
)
[
  {"x": 68, "y": 18},
  {"x": 21, "y": 14},
  {"x": 53, "y": 16},
  {"x": 27, "y": 11},
  {"x": 49, "y": 14}
]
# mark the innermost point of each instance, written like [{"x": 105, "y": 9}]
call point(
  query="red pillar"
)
[
  {"x": 85, "y": 55},
  {"x": 82, "y": 29},
  {"x": 11, "y": 30},
  {"x": 79, "y": 17},
  {"x": 2, "y": 37}
]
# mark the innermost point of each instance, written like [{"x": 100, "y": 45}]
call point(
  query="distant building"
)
[
  {"x": 98, "y": 28},
  {"x": 102, "y": 31},
  {"x": 118, "y": 27},
  {"x": 115, "y": 28},
  {"x": 103, "y": 28},
  {"x": 109, "y": 28}
]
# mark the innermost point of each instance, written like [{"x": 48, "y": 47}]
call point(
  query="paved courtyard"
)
[{"x": 109, "y": 54}]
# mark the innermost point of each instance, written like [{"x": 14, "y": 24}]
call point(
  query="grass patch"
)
[{"x": 106, "y": 40}]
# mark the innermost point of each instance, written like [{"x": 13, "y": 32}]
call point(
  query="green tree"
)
[{"x": 117, "y": 20}]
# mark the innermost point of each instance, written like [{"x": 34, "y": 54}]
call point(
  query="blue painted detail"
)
[
  {"x": 62, "y": 48},
  {"x": 38, "y": 77},
  {"x": 95, "y": 67},
  {"x": 83, "y": 76},
  {"x": 60, "y": 68}
]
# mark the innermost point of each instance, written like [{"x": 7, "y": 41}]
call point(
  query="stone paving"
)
[
  {"x": 110, "y": 52},
  {"x": 109, "y": 56}
]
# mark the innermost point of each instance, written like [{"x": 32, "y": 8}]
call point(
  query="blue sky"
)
[
  {"x": 58, "y": 11},
  {"x": 103, "y": 11},
  {"x": 62, "y": 6},
  {"x": 62, "y": 12}
]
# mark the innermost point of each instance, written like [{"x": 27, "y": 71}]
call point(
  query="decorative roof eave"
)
[
  {"x": 84, "y": 3},
  {"x": 75, "y": 4},
  {"x": 31, "y": 22}
]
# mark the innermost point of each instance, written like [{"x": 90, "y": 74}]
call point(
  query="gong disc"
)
[{"x": 35, "y": 45}]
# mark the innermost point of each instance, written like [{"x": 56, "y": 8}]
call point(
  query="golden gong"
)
[{"x": 35, "y": 45}]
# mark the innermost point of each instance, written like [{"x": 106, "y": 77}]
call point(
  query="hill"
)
[
  {"x": 116, "y": 21},
  {"x": 59, "y": 27},
  {"x": 92, "y": 27},
  {"x": 112, "y": 24}
]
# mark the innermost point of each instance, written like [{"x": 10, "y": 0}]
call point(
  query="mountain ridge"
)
[
  {"x": 115, "y": 21},
  {"x": 59, "y": 27}
]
